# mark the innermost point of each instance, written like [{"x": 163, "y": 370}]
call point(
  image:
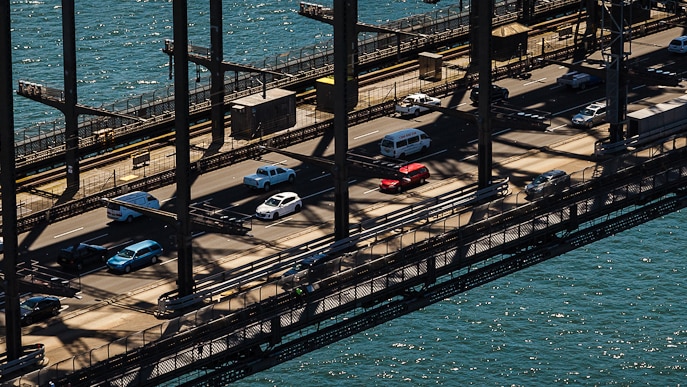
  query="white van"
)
[
  {"x": 121, "y": 214},
  {"x": 404, "y": 142}
]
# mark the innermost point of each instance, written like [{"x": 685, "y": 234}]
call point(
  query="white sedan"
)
[{"x": 279, "y": 205}]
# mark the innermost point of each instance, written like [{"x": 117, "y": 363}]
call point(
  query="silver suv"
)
[{"x": 591, "y": 115}]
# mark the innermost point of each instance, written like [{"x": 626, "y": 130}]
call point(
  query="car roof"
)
[
  {"x": 38, "y": 298},
  {"x": 145, "y": 243},
  {"x": 284, "y": 194},
  {"x": 554, "y": 173},
  {"x": 411, "y": 167},
  {"x": 314, "y": 258}
]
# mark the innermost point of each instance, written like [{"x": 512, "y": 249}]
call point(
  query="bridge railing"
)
[
  {"x": 151, "y": 104},
  {"x": 410, "y": 259},
  {"x": 105, "y": 184}
]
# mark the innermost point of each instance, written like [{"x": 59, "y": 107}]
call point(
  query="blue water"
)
[
  {"x": 119, "y": 42},
  {"x": 609, "y": 314}
]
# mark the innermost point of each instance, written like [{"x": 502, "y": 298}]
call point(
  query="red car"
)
[{"x": 413, "y": 174}]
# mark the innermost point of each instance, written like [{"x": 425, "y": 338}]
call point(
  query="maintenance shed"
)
[{"x": 258, "y": 115}]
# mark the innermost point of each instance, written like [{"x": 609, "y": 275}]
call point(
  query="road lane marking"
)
[
  {"x": 67, "y": 233},
  {"x": 540, "y": 80},
  {"x": 321, "y": 177},
  {"x": 365, "y": 135},
  {"x": 284, "y": 220}
]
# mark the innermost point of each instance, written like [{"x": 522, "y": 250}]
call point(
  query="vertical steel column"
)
[
  {"x": 616, "y": 86},
  {"x": 8, "y": 184},
  {"x": 183, "y": 148},
  {"x": 70, "y": 97},
  {"x": 345, "y": 53},
  {"x": 217, "y": 74},
  {"x": 484, "y": 150},
  {"x": 473, "y": 32}
]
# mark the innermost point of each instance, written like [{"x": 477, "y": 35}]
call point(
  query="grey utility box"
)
[
  {"x": 430, "y": 66},
  {"x": 257, "y": 115}
]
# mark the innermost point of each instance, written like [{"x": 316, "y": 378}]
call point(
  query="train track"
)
[{"x": 124, "y": 152}]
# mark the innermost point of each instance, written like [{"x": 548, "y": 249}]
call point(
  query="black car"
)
[
  {"x": 498, "y": 93},
  {"x": 83, "y": 254},
  {"x": 548, "y": 183},
  {"x": 39, "y": 307}
]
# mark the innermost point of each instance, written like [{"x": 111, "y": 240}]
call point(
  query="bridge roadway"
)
[{"x": 106, "y": 312}]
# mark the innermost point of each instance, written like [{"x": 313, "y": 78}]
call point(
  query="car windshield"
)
[
  {"x": 587, "y": 112},
  {"x": 539, "y": 180},
  {"x": 273, "y": 202},
  {"x": 387, "y": 143},
  {"x": 126, "y": 253},
  {"x": 29, "y": 304}
]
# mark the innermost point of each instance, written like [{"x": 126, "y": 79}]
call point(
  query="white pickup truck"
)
[
  {"x": 268, "y": 176},
  {"x": 409, "y": 105},
  {"x": 577, "y": 80}
]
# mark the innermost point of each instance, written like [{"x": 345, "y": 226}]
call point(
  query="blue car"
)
[{"x": 135, "y": 256}]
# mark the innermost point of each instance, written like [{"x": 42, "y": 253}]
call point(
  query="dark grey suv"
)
[
  {"x": 83, "y": 254},
  {"x": 498, "y": 93},
  {"x": 548, "y": 183}
]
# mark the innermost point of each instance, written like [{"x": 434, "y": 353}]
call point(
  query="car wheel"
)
[
  {"x": 402, "y": 156},
  {"x": 275, "y": 216},
  {"x": 292, "y": 178},
  {"x": 423, "y": 150},
  {"x": 416, "y": 113},
  {"x": 298, "y": 208},
  {"x": 423, "y": 181},
  {"x": 589, "y": 125},
  {"x": 153, "y": 259},
  {"x": 266, "y": 187},
  {"x": 583, "y": 86},
  {"x": 399, "y": 189},
  {"x": 505, "y": 95},
  {"x": 79, "y": 266},
  {"x": 127, "y": 269},
  {"x": 129, "y": 219},
  {"x": 28, "y": 320},
  {"x": 55, "y": 311},
  {"x": 103, "y": 258}
]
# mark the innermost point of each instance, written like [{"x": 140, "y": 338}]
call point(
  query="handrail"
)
[{"x": 208, "y": 287}]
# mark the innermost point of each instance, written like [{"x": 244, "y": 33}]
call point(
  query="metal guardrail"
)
[
  {"x": 33, "y": 355},
  {"x": 439, "y": 31},
  {"x": 602, "y": 148},
  {"x": 212, "y": 286},
  {"x": 284, "y": 139}
]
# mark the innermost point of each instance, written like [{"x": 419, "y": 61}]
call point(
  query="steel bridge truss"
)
[{"x": 407, "y": 271}]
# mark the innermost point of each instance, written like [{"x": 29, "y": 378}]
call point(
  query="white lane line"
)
[
  {"x": 557, "y": 127},
  {"x": 365, "y": 135},
  {"x": 326, "y": 190},
  {"x": 67, "y": 233},
  {"x": 321, "y": 176},
  {"x": 279, "y": 222},
  {"x": 371, "y": 190},
  {"x": 469, "y": 157},
  {"x": 540, "y": 80}
]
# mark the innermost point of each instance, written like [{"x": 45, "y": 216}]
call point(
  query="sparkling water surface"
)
[{"x": 612, "y": 313}]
